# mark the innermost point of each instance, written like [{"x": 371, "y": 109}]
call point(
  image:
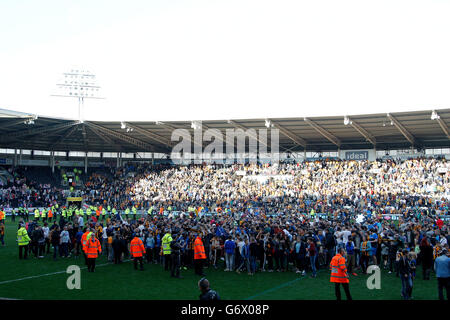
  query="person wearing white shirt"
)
[
  {"x": 345, "y": 234},
  {"x": 81, "y": 222},
  {"x": 46, "y": 230}
]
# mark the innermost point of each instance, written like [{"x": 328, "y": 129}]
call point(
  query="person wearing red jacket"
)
[{"x": 137, "y": 250}]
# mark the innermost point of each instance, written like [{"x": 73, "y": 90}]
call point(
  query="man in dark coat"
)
[{"x": 426, "y": 256}]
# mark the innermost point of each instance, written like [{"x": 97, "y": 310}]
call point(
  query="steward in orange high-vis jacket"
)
[
  {"x": 199, "y": 256},
  {"x": 137, "y": 250},
  {"x": 84, "y": 239},
  {"x": 339, "y": 274},
  {"x": 93, "y": 249}
]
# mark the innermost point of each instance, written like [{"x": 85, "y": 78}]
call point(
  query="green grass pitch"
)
[{"x": 46, "y": 279}]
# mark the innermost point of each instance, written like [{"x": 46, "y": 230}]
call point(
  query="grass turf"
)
[{"x": 122, "y": 282}]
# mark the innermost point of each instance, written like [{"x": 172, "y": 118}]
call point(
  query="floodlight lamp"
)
[
  {"x": 347, "y": 120},
  {"x": 122, "y": 125},
  {"x": 195, "y": 125},
  {"x": 434, "y": 115},
  {"x": 268, "y": 123}
]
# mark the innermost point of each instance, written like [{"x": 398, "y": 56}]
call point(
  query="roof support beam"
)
[
  {"x": 402, "y": 129},
  {"x": 103, "y": 137},
  {"x": 85, "y": 141},
  {"x": 290, "y": 135},
  {"x": 173, "y": 128},
  {"x": 204, "y": 126},
  {"x": 363, "y": 132},
  {"x": 64, "y": 137},
  {"x": 14, "y": 123},
  {"x": 149, "y": 134},
  {"x": 324, "y": 132},
  {"x": 33, "y": 131},
  {"x": 443, "y": 127},
  {"x": 240, "y": 126},
  {"x": 136, "y": 142}
]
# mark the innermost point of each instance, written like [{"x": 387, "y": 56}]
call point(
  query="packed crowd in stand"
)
[{"x": 246, "y": 218}]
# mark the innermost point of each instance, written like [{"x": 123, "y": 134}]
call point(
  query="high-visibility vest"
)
[
  {"x": 2, "y": 215},
  {"x": 166, "y": 240},
  {"x": 93, "y": 248},
  {"x": 109, "y": 209},
  {"x": 134, "y": 210},
  {"x": 199, "y": 249},
  {"x": 22, "y": 237},
  {"x": 149, "y": 211},
  {"x": 114, "y": 211},
  {"x": 97, "y": 213},
  {"x": 137, "y": 248},
  {"x": 338, "y": 270},
  {"x": 103, "y": 212},
  {"x": 365, "y": 249},
  {"x": 36, "y": 213},
  {"x": 64, "y": 213},
  {"x": 50, "y": 214},
  {"x": 127, "y": 210},
  {"x": 88, "y": 211},
  {"x": 84, "y": 239}
]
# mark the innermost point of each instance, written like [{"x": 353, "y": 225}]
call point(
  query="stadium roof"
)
[{"x": 386, "y": 131}]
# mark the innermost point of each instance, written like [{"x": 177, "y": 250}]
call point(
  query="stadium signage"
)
[
  {"x": 32, "y": 162},
  {"x": 5, "y": 161},
  {"x": 356, "y": 155},
  {"x": 74, "y": 199}
]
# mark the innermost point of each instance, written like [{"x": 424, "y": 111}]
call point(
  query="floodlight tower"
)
[{"x": 80, "y": 84}]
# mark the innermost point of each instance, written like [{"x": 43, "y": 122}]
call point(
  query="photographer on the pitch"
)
[
  {"x": 207, "y": 294},
  {"x": 176, "y": 246}
]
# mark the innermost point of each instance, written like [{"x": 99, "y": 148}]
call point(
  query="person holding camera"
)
[{"x": 176, "y": 257}]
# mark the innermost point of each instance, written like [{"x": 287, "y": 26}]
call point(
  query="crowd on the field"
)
[
  {"x": 273, "y": 242},
  {"x": 284, "y": 217}
]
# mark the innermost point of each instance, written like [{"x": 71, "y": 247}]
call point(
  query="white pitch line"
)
[{"x": 50, "y": 274}]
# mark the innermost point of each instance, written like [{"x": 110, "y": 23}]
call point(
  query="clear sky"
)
[{"x": 227, "y": 59}]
